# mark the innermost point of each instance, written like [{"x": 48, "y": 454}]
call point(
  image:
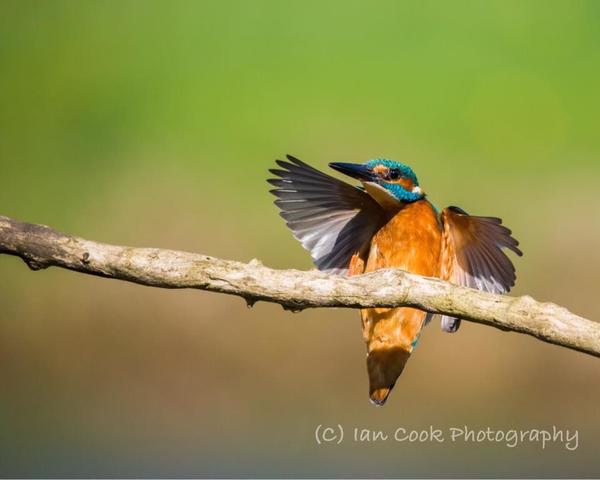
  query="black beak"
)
[{"x": 354, "y": 170}]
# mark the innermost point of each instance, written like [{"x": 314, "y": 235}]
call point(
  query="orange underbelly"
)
[{"x": 411, "y": 241}]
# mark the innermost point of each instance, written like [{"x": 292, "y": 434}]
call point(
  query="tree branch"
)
[{"x": 41, "y": 247}]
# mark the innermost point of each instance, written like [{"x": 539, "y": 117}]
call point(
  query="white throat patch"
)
[{"x": 382, "y": 196}]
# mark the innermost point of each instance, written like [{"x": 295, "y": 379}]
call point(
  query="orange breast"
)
[{"x": 411, "y": 240}]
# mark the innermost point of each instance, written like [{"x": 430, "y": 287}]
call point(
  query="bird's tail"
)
[
  {"x": 384, "y": 366},
  {"x": 391, "y": 335}
]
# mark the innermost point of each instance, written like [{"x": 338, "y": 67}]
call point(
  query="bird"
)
[{"x": 387, "y": 221}]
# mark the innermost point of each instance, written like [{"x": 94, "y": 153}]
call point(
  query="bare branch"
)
[{"x": 41, "y": 247}]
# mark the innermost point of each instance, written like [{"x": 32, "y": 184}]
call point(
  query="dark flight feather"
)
[
  {"x": 473, "y": 248},
  {"x": 331, "y": 218}
]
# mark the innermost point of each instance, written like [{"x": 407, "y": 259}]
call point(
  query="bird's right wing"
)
[
  {"x": 331, "y": 219},
  {"x": 473, "y": 256}
]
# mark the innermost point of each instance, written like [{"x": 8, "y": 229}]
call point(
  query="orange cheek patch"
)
[
  {"x": 406, "y": 183},
  {"x": 380, "y": 170}
]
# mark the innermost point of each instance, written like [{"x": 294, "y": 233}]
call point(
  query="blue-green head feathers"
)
[
  {"x": 387, "y": 181},
  {"x": 403, "y": 170},
  {"x": 398, "y": 179}
]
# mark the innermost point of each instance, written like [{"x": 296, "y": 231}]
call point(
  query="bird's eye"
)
[{"x": 394, "y": 174}]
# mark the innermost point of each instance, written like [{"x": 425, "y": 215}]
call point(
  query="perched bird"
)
[{"x": 388, "y": 222}]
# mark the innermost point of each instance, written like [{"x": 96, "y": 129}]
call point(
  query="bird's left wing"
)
[
  {"x": 332, "y": 219},
  {"x": 473, "y": 256}
]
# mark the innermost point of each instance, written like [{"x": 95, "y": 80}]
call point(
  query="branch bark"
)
[{"x": 41, "y": 247}]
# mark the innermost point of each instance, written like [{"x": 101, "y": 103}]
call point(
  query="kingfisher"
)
[{"x": 388, "y": 222}]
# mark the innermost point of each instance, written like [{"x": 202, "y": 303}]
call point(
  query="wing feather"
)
[
  {"x": 331, "y": 218},
  {"x": 473, "y": 255}
]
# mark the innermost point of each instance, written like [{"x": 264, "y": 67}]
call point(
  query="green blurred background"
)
[{"x": 154, "y": 124}]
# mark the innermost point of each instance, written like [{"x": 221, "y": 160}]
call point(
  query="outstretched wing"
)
[
  {"x": 332, "y": 219},
  {"x": 473, "y": 256}
]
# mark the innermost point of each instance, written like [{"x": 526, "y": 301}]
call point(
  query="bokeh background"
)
[{"x": 154, "y": 123}]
